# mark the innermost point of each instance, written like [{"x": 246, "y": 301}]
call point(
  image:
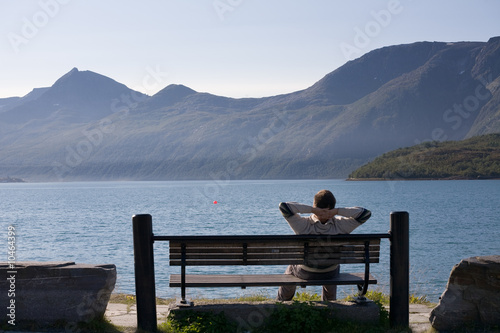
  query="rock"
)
[
  {"x": 472, "y": 295},
  {"x": 249, "y": 316},
  {"x": 48, "y": 292}
]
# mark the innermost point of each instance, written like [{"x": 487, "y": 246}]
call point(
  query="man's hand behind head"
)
[{"x": 324, "y": 214}]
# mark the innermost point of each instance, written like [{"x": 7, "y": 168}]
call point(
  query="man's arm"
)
[
  {"x": 291, "y": 212},
  {"x": 360, "y": 214},
  {"x": 289, "y": 209},
  {"x": 345, "y": 219},
  {"x": 348, "y": 219}
]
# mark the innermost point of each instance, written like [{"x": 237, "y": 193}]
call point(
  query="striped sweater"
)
[{"x": 345, "y": 222}]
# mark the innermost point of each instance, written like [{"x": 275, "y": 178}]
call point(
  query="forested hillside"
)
[{"x": 474, "y": 158}]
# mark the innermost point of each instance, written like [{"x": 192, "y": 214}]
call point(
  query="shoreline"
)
[
  {"x": 415, "y": 179},
  {"x": 8, "y": 180}
]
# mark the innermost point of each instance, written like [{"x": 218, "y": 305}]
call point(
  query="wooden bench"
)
[{"x": 263, "y": 250}]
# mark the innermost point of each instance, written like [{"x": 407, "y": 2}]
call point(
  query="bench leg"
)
[
  {"x": 184, "y": 303},
  {"x": 360, "y": 297}
]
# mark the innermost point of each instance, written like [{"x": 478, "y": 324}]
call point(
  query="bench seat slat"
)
[
  {"x": 262, "y": 262},
  {"x": 274, "y": 249},
  {"x": 290, "y": 255},
  {"x": 263, "y": 280}
]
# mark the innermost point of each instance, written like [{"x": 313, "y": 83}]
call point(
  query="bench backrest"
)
[{"x": 310, "y": 250}]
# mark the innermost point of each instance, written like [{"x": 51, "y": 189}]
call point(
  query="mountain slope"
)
[
  {"x": 487, "y": 68},
  {"x": 360, "y": 77},
  {"x": 414, "y": 107},
  {"x": 88, "y": 127}
]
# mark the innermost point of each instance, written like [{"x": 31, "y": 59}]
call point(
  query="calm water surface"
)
[{"x": 91, "y": 222}]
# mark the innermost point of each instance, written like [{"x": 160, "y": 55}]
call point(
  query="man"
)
[{"x": 325, "y": 219}]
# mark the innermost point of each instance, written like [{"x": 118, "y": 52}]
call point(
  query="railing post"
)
[
  {"x": 399, "y": 314},
  {"x": 144, "y": 272}
]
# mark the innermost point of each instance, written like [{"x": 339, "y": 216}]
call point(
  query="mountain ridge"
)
[
  {"x": 77, "y": 96},
  {"x": 392, "y": 97}
]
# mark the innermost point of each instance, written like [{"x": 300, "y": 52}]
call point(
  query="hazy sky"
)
[{"x": 234, "y": 48}]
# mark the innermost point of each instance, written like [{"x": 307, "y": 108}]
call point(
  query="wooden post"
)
[
  {"x": 399, "y": 315},
  {"x": 144, "y": 272}
]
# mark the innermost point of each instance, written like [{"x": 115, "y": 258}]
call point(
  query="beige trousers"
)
[{"x": 329, "y": 292}]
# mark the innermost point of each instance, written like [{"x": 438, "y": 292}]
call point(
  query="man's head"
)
[{"x": 324, "y": 199}]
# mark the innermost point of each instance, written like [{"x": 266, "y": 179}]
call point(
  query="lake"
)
[{"x": 91, "y": 222}]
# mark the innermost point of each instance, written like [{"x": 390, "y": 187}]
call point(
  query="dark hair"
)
[{"x": 324, "y": 199}]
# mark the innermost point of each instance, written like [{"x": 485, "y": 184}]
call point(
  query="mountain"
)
[
  {"x": 11, "y": 102},
  {"x": 90, "y": 127},
  {"x": 77, "y": 97},
  {"x": 5, "y": 102},
  {"x": 474, "y": 158}
]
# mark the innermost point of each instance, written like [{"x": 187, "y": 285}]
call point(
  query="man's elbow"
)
[
  {"x": 364, "y": 216},
  {"x": 285, "y": 210}
]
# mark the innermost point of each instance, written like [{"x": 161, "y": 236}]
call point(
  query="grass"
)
[
  {"x": 374, "y": 295},
  {"x": 130, "y": 300},
  {"x": 420, "y": 300}
]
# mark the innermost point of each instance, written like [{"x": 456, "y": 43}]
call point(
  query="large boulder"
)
[
  {"x": 472, "y": 295},
  {"x": 48, "y": 292}
]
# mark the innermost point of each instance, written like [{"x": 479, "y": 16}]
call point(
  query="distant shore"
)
[
  {"x": 400, "y": 179},
  {"x": 12, "y": 180}
]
